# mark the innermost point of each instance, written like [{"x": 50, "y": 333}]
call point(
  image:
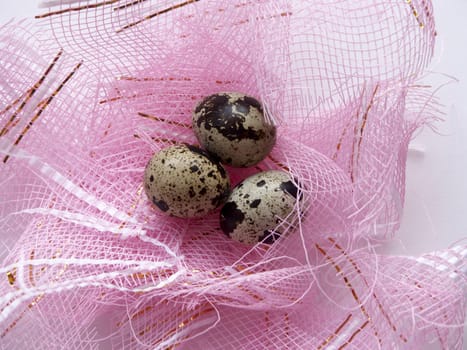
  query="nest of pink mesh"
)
[{"x": 92, "y": 89}]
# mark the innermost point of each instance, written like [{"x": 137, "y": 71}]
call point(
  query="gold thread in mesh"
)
[
  {"x": 278, "y": 163},
  {"x": 354, "y": 334},
  {"x": 261, "y": 18},
  {"x": 364, "y": 120},
  {"x": 116, "y": 98},
  {"x": 226, "y": 82},
  {"x": 336, "y": 332},
  {"x": 287, "y": 324},
  {"x": 349, "y": 285},
  {"x": 250, "y": 293},
  {"x": 164, "y": 140},
  {"x": 155, "y": 14},
  {"x": 358, "y": 133},
  {"x": 158, "y": 139},
  {"x": 29, "y": 94},
  {"x": 34, "y": 302},
  {"x": 15, "y": 322},
  {"x": 75, "y": 9},
  {"x": 15, "y": 102},
  {"x": 258, "y": 168},
  {"x": 113, "y": 99},
  {"x": 347, "y": 126},
  {"x": 11, "y": 276},
  {"x": 124, "y": 77},
  {"x": 415, "y": 13},
  {"x": 12, "y": 123},
  {"x": 183, "y": 324},
  {"x": 437, "y": 300},
  {"x": 380, "y": 306},
  {"x": 43, "y": 107},
  {"x": 133, "y": 206},
  {"x": 341, "y": 138},
  {"x": 31, "y": 269},
  {"x": 162, "y": 120},
  {"x": 136, "y": 2},
  {"x": 158, "y": 322}
]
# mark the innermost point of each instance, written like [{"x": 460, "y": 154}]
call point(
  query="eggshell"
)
[
  {"x": 185, "y": 181},
  {"x": 233, "y": 127},
  {"x": 258, "y": 206}
]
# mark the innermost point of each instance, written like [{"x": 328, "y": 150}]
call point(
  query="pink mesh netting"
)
[{"x": 89, "y": 90}]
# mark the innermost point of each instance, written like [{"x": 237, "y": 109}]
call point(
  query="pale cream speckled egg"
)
[
  {"x": 233, "y": 127},
  {"x": 258, "y": 205},
  {"x": 185, "y": 181}
]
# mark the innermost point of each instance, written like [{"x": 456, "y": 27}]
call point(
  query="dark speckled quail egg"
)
[
  {"x": 258, "y": 205},
  {"x": 185, "y": 181},
  {"x": 233, "y": 127}
]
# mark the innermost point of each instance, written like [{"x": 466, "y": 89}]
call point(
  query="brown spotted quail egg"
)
[
  {"x": 233, "y": 127},
  {"x": 258, "y": 205},
  {"x": 185, "y": 181}
]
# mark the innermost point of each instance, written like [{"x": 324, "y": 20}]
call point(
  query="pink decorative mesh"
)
[{"x": 90, "y": 90}]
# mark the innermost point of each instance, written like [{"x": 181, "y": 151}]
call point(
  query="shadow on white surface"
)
[{"x": 435, "y": 213}]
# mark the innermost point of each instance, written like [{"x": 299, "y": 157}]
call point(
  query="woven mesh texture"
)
[{"x": 89, "y": 90}]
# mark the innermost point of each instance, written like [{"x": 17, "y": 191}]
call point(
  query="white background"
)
[{"x": 435, "y": 214}]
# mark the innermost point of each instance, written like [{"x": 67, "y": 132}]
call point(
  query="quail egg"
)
[
  {"x": 185, "y": 181},
  {"x": 233, "y": 127},
  {"x": 258, "y": 205}
]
